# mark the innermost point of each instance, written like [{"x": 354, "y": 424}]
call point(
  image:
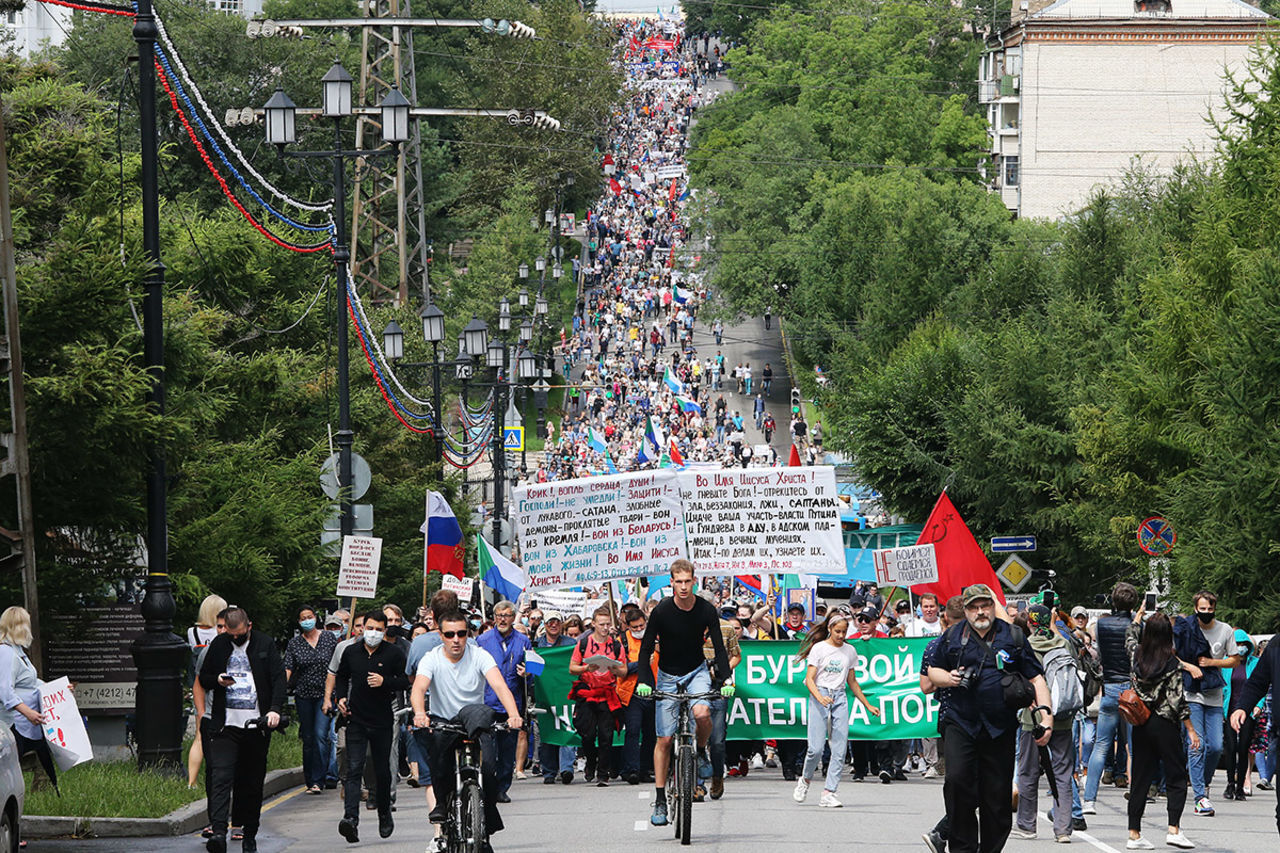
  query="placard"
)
[
  {"x": 462, "y": 587},
  {"x": 566, "y": 601},
  {"x": 909, "y": 566},
  {"x": 64, "y": 730},
  {"x": 763, "y": 521},
  {"x": 358, "y": 571},
  {"x": 593, "y": 529}
]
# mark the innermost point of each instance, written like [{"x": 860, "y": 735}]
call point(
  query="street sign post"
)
[
  {"x": 1014, "y": 573},
  {"x": 1010, "y": 544},
  {"x": 513, "y": 439}
]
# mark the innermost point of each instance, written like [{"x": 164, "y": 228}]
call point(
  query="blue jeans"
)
[
  {"x": 1202, "y": 762},
  {"x": 1111, "y": 728},
  {"x": 314, "y": 729},
  {"x": 837, "y": 716},
  {"x": 417, "y": 754},
  {"x": 506, "y": 763},
  {"x": 715, "y": 742}
]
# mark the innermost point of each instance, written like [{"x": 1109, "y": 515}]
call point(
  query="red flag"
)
[
  {"x": 794, "y": 461},
  {"x": 677, "y": 458},
  {"x": 615, "y": 186},
  {"x": 961, "y": 561},
  {"x": 671, "y": 196}
]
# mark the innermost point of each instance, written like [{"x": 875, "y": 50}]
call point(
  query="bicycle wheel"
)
[
  {"x": 472, "y": 830},
  {"x": 686, "y": 783}
]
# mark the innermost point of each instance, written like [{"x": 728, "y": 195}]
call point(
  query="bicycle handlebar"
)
[
  {"x": 446, "y": 725},
  {"x": 681, "y": 696}
]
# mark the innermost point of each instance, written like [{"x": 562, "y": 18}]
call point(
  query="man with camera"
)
[
  {"x": 244, "y": 673},
  {"x": 987, "y": 672},
  {"x": 370, "y": 674}
]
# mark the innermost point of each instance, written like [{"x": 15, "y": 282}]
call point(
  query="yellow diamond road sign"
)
[{"x": 1013, "y": 573}]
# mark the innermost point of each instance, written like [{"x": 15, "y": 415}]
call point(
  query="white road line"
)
[
  {"x": 642, "y": 825},
  {"x": 644, "y": 795},
  {"x": 1083, "y": 836}
]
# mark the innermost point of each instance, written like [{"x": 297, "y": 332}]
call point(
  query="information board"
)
[{"x": 92, "y": 648}]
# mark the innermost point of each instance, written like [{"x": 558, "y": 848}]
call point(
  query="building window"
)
[
  {"x": 1011, "y": 171},
  {"x": 11, "y": 17},
  {"x": 229, "y": 7}
]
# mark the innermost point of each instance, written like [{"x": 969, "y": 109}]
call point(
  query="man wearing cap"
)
[
  {"x": 902, "y": 610},
  {"x": 554, "y": 760},
  {"x": 794, "y": 628},
  {"x": 979, "y": 730}
]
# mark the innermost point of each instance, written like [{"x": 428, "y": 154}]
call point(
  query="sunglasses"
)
[
  {"x": 864, "y": 619},
  {"x": 449, "y": 635}
]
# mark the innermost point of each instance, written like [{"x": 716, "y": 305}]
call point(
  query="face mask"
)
[
  {"x": 639, "y": 635},
  {"x": 373, "y": 638},
  {"x": 1205, "y": 618},
  {"x": 524, "y": 620},
  {"x": 242, "y": 639},
  {"x": 337, "y": 632},
  {"x": 307, "y": 624},
  {"x": 395, "y": 632}
]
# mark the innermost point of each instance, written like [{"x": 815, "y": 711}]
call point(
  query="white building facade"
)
[{"x": 1079, "y": 91}]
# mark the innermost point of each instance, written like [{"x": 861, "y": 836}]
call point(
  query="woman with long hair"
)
[
  {"x": 830, "y": 667},
  {"x": 199, "y": 636},
  {"x": 306, "y": 663},
  {"x": 1156, "y": 676}
]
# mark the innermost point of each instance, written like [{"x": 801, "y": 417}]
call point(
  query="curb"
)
[{"x": 186, "y": 819}]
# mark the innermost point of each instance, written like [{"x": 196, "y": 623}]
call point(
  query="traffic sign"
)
[
  {"x": 1005, "y": 544},
  {"x": 359, "y": 473},
  {"x": 1014, "y": 573},
  {"x": 513, "y": 438},
  {"x": 1156, "y": 536}
]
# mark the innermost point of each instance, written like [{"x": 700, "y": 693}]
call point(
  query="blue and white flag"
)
[
  {"x": 595, "y": 440},
  {"x": 498, "y": 573},
  {"x": 676, "y": 386},
  {"x": 651, "y": 445},
  {"x": 688, "y": 405},
  {"x": 681, "y": 297}
]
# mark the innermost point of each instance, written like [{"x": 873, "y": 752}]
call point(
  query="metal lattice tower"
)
[{"x": 388, "y": 221}]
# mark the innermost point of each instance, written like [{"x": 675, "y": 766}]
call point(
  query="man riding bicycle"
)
[
  {"x": 456, "y": 674},
  {"x": 679, "y": 625}
]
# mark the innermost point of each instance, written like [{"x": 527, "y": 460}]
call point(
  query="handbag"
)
[
  {"x": 1133, "y": 708},
  {"x": 1018, "y": 691}
]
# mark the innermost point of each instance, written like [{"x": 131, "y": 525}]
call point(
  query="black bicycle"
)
[
  {"x": 685, "y": 766},
  {"x": 464, "y": 829}
]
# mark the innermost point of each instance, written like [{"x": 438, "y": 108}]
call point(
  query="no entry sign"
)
[{"x": 1156, "y": 536}]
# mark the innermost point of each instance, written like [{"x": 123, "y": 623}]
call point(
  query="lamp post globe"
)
[
  {"x": 393, "y": 341},
  {"x": 395, "y": 117},
  {"x": 526, "y": 331},
  {"x": 432, "y": 323},
  {"x": 281, "y": 114},
  {"x": 336, "y": 85},
  {"x": 476, "y": 336}
]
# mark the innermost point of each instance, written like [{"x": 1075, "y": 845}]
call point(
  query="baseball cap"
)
[
  {"x": 1079, "y": 610},
  {"x": 975, "y": 592},
  {"x": 333, "y": 621},
  {"x": 869, "y": 614},
  {"x": 903, "y": 605},
  {"x": 797, "y": 606},
  {"x": 548, "y": 615},
  {"x": 1040, "y": 618}
]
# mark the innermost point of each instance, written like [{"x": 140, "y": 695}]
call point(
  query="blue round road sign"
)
[{"x": 1156, "y": 536}]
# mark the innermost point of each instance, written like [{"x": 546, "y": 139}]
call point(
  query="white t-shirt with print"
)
[
  {"x": 832, "y": 664},
  {"x": 921, "y": 628},
  {"x": 242, "y": 697}
]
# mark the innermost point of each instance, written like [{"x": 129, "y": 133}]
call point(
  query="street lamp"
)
[
  {"x": 524, "y": 273},
  {"x": 337, "y": 92},
  {"x": 540, "y": 264},
  {"x": 395, "y": 117},
  {"x": 504, "y": 315},
  {"x": 432, "y": 324},
  {"x": 527, "y": 364},
  {"x": 393, "y": 341},
  {"x": 281, "y": 113},
  {"x": 524, "y": 291},
  {"x": 497, "y": 349},
  {"x": 476, "y": 336},
  {"x": 526, "y": 331}
]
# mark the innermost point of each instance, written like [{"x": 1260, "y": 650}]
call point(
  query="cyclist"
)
[
  {"x": 456, "y": 673},
  {"x": 679, "y": 625}
]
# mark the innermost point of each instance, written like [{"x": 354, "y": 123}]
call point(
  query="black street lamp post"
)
[{"x": 280, "y": 122}]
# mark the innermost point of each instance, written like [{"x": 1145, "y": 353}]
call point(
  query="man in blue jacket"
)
[
  {"x": 1266, "y": 676},
  {"x": 508, "y": 647}
]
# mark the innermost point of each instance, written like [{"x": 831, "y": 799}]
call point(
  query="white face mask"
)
[
  {"x": 373, "y": 638},
  {"x": 639, "y": 635}
]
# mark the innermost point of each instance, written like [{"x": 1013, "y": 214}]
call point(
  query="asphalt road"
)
[{"x": 756, "y": 814}]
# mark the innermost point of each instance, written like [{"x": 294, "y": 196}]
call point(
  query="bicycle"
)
[
  {"x": 464, "y": 829},
  {"x": 685, "y": 765}
]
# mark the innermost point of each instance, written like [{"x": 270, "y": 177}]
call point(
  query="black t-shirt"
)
[{"x": 680, "y": 635}]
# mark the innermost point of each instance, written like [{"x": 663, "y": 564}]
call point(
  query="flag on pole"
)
[
  {"x": 608, "y": 464},
  {"x": 595, "y": 440},
  {"x": 961, "y": 561},
  {"x": 681, "y": 297},
  {"x": 688, "y": 405},
  {"x": 500, "y": 574},
  {"x": 534, "y": 663},
  {"x": 673, "y": 456},
  {"x": 676, "y": 386},
  {"x": 651, "y": 444},
  {"x": 444, "y": 548}
]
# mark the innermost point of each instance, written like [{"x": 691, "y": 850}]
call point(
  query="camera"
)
[{"x": 966, "y": 678}]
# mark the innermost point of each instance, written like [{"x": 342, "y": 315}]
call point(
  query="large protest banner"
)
[
  {"x": 771, "y": 700},
  {"x": 595, "y": 529},
  {"x": 754, "y": 521}
]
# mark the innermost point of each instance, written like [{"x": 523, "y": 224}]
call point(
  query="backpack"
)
[
  {"x": 1066, "y": 682},
  {"x": 1091, "y": 670}
]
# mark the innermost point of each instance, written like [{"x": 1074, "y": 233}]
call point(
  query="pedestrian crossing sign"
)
[{"x": 513, "y": 438}]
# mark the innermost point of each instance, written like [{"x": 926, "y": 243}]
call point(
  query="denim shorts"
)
[{"x": 668, "y": 710}]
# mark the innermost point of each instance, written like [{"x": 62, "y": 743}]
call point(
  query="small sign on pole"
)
[
  {"x": 909, "y": 566},
  {"x": 1006, "y": 544},
  {"x": 461, "y": 586},
  {"x": 358, "y": 571},
  {"x": 1013, "y": 573}
]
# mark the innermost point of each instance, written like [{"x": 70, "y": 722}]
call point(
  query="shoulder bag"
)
[{"x": 1133, "y": 708}]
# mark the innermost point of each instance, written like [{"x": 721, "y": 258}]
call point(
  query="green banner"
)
[{"x": 771, "y": 700}]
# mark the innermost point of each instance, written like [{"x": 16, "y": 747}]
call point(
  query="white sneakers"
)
[
  {"x": 930, "y": 773},
  {"x": 1090, "y": 807},
  {"x": 1025, "y": 834},
  {"x": 1139, "y": 843},
  {"x": 829, "y": 801},
  {"x": 801, "y": 791},
  {"x": 1180, "y": 841}
]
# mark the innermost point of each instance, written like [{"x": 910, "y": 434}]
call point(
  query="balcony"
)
[
  {"x": 988, "y": 91},
  {"x": 1009, "y": 84}
]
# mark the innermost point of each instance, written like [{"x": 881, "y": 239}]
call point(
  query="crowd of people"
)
[{"x": 639, "y": 389}]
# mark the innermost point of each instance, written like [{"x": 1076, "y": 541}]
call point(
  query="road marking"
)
[
  {"x": 642, "y": 825},
  {"x": 1083, "y": 836},
  {"x": 278, "y": 800},
  {"x": 644, "y": 795}
]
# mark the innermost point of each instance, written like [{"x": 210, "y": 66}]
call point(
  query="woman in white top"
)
[
  {"x": 20, "y": 688},
  {"x": 830, "y": 667}
]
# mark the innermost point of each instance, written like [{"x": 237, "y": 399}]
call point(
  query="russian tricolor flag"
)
[{"x": 444, "y": 550}]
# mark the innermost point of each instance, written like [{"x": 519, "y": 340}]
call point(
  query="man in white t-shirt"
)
[
  {"x": 928, "y": 625},
  {"x": 1206, "y": 705},
  {"x": 455, "y": 674}
]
